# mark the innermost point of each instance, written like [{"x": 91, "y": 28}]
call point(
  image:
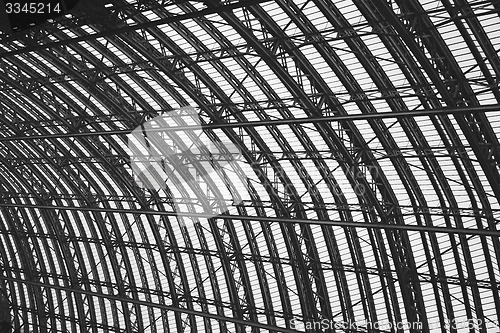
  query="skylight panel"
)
[
  {"x": 411, "y": 102},
  {"x": 99, "y": 176},
  {"x": 312, "y": 12},
  {"x": 388, "y": 170},
  {"x": 487, "y": 187},
  {"x": 494, "y": 120},
  {"x": 327, "y": 74},
  {"x": 255, "y": 91},
  {"x": 175, "y": 38},
  {"x": 292, "y": 291},
  {"x": 69, "y": 94},
  {"x": 36, "y": 68},
  {"x": 163, "y": 92},
  {"x": 490, "y": 26},
  {"x": 150, "y": 15},
  {"x": 239, "y": 74},
  {"x": 216, "y": 76},
  {"x": 429, "y": 5},
  {"x": 431, "y": 307},
  {"x": 353, "y": 66},
  {"x": 280, "y": 245},
  {"x": 384, "y": 59},
  {"x": 349, "y": 11},
  {"x": 226, "y": 30},
  {"x": 272, "y": 80},
  {"x": 315, "y": 58},
  {"x": 274, "y": 11},
  {"x": 296, "y": 181},
  {"x": 426, "y": 126},
  {"x": 7, "y": 47},
  {"x": 96, "y": 53},
  {"x": 116, "y": 52},
  {"x": 50, "y": 168},
  {"x": 201, "y": 35},
  {"x": 461, "y": 51},
  {"x": 381, "y": 105}
]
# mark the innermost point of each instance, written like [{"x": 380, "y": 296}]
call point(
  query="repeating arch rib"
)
[{"x": 366, "y": 192}]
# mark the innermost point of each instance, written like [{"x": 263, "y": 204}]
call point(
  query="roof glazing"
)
[{"x": 368, "y": 176}]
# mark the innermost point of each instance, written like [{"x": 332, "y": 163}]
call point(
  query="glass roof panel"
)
[{"x": 73, "y": 213}]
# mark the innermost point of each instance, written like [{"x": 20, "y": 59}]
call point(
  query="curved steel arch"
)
[{"x": 84, "y": 248}]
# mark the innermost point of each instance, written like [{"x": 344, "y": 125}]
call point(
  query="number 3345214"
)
[{"x": 32, "y": 8}]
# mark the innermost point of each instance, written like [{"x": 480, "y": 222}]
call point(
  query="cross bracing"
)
[{"x": 368, "y": 180}]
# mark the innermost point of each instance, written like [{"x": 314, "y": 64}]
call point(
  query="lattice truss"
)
[{"x": 369, "y": 133}]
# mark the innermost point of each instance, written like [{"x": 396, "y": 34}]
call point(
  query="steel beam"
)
[
  {"x": 131, "y": 28},
  {"x": 237, "y": 321},
  {"x": 367, "y": 225},
  {"x": 267, "y": 123}
]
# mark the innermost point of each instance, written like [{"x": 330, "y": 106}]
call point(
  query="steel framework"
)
[{"x": 369, "y": 135}]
